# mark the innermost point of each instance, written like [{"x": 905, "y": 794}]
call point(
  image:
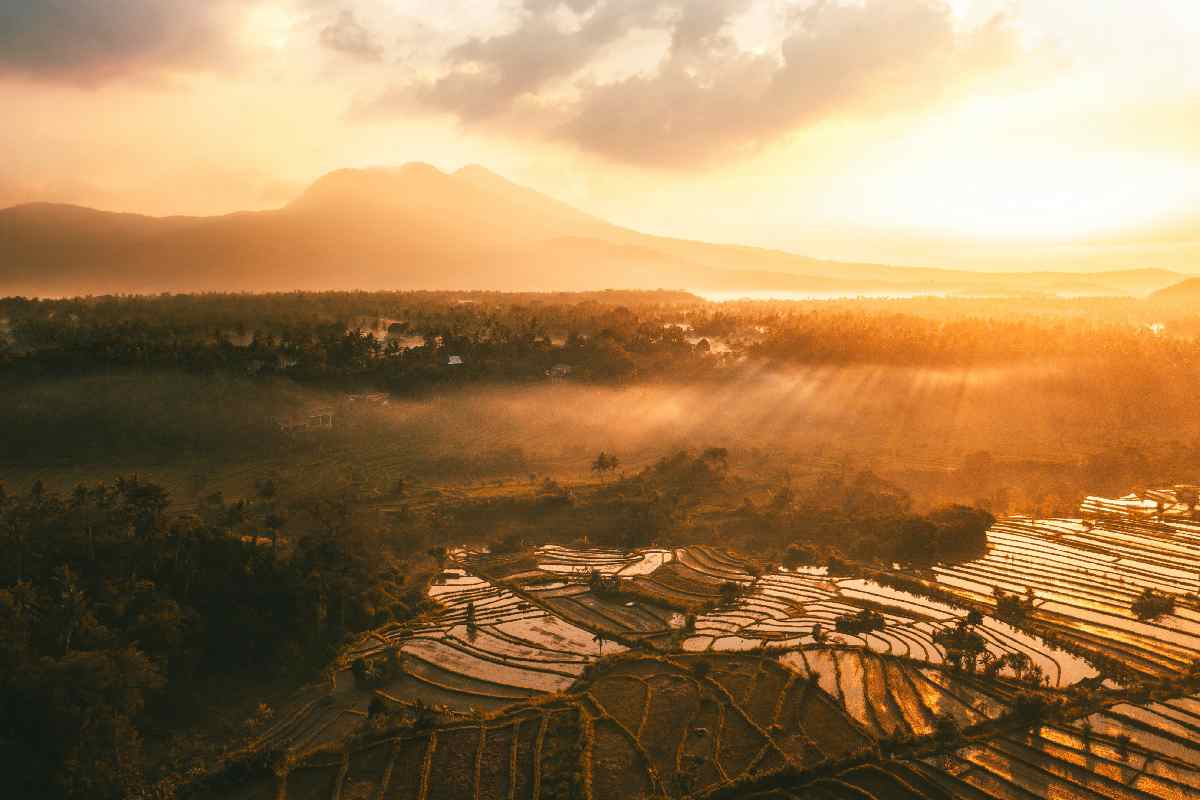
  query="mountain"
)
[
  {"x": 1186, "y": 291},
  {"x": 416, "y": 227}
]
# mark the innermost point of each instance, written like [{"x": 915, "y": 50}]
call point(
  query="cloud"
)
[
  {"x": 488, "y": 75},
  {"x": 95, "y": 41},
  {"x": 348, "y": 36},
  {"x": 708, "y": 97}
]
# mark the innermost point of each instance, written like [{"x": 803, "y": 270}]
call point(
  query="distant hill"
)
[
  {"x": 1184, "y": 291},
  {"x": 415, "y": 227}
]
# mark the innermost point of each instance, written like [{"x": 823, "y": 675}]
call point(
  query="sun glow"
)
[
  {"x": 1039, "y": 195},
  {"x": 268, "y": 26},
  {"x": 972, "y": 173}
]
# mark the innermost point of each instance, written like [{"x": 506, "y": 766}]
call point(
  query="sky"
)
[{"x": 998, "y": 134}]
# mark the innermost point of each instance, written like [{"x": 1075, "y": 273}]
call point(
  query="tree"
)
[
  {"x": 1123, "y": 742},
  {"x": 1028, "y": 707},
  {"x": 963, "y": 645},
  {"x": 730, "y": 591},
  {"x": 1013, "y": 607},
  {"x": 946, "y": 729},
  {"x": 471, "y": 618},
  {"x": 265, "y": 489},
  {"x": 358, "y": 669},
  {"x": 1151, "y": 604},
  {"x": 274, "y": 522},
  {"x": 72, "y": 606},
  {"x": 605, "y": 463},
  {"x": 862, "y": 622},
  {"x": 717, "y": 457},
  {"x": 1190, "y": 497}
]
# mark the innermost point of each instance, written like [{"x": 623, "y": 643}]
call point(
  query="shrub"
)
[
  {"x": 730, "y": 591},
  {"x": 798, "y": 554},
  {"x": 946, "y": 729},
  {"x": 1029, "y": 707}
]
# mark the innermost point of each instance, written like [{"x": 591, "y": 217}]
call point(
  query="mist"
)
[{"x": 1045, "y": 427}]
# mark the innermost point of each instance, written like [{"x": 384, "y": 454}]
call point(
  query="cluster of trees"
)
[
  {"x": 605, "y": 463},
  {"x": 903, "y": 339},
  {"x": 964, "y": 645},
  {"x": 869, "y": 519},
  {"x": 1019, "y": 664},
  {"x": 658, "y": 504},
  {"x": 1011, "y": 607},
  {"x": 395, "y": 341},
  {"x": 695, "y": 496},
  {"x": 966, "y": 649},
  {"x": 113, "y": 607},
  {"x": 1151, "y": 604},
  {"x": 859, "y": 623}
]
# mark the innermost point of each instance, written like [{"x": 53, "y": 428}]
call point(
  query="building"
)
[
  {"x": 454, "y": 361},
  {"x": 306, "y": 422}
]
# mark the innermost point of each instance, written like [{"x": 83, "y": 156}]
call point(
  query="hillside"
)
[
  {"x": 1187, "y": 291},
  {"x": 416, "y": 227}
]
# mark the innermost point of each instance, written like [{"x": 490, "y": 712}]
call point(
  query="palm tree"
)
[
  {"x": 1191, "y": 498},
  {"x": 605, "y": 463},
  {"x": 599, "y": 640},
  {"x": 73, "y": 604},
  {"x": 274, "y": 522}
]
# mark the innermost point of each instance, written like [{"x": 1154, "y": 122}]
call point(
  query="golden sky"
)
[{"x": 978, "y": 133}]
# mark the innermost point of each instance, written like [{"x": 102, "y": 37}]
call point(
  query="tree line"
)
[{"x": 403, "y": 341}]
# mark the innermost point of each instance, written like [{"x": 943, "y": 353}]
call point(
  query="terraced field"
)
[
  {"x": 535, "y": 631},
  {"x": 1125, "y": 752},
  {"x": 572, "y": 561},
  {"x": 650, "y": 726},
  {"x": 1083, "y": 575},
  {"x": 487, "y": 648},
  {"x": 790, "y": 610},
  {"x": 897, "y": 697},
  {"x": 779, "y": 610},
  {"x": 591, "y": 673}
]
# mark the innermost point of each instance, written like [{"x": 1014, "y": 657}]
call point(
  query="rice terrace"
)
[{"x": 698, "y": 672}]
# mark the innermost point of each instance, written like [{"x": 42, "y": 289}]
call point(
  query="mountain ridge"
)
[
  {"x": 415, "y": 226},
  {"x": 1187, "y": 290}
]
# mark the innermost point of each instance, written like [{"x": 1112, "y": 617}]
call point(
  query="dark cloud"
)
[
  {"x": 707, "y": 98},
  {"x": 347, "y": 35},
  {"x": 93, "y": 41}
]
